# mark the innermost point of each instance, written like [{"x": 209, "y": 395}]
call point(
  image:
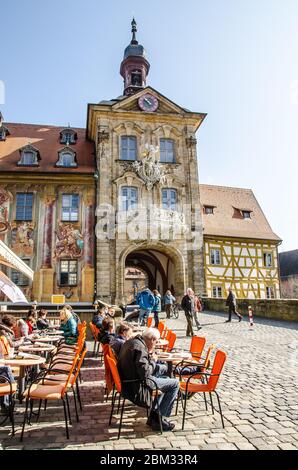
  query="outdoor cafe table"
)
[
  {"x": 45, "y": 339},
  {"x": 22, "y": 362},
  {"x": 173, "y": 357},
  {"x": 38, "y": 348}
]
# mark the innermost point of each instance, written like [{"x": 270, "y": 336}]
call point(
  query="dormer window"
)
[
  {"x": 246, "y": 214},
  {"x": 241, "y": 213},
  {"x": 3, "y": 133},
  {"x": 208, "y": 210},
  {"x": 68, "y": 136},
  {"x": 67, "y": 158},
  {"x": 29, "y": 156}
]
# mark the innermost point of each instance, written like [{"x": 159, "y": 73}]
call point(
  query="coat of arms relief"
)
[{"x": 149, "y": 169}]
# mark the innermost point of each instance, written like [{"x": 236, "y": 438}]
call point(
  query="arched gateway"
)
[{"x": 163, "y": 264}]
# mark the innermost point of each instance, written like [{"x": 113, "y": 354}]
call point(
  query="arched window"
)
[
  {"x": 67, "y": 158},
  {"x": 129, "y": 198},
  {"x": 68, "y": 136},
  {"x": 29, "y": 156},
  {"x": 169, "y": 199}
]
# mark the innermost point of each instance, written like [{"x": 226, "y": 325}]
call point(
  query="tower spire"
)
[
  {"x": 134, "y": 67},
  {"x": 134, "y": 30}
]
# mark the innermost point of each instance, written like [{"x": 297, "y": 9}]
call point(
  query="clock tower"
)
[
  {"x": 149, "y": 222},
  {"x": 134, "y": 67}
]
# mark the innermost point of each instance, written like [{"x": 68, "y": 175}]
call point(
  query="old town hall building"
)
[{"x": 88, "y": 208}]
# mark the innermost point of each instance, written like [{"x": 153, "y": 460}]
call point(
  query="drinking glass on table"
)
[{"x": 11, "y": 353}]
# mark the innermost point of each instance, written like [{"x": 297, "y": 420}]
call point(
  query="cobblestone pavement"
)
[{"x": 258, "y": 391}]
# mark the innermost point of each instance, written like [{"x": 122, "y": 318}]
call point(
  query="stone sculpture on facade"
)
[
  {"x": 149, "y": 169},
  {"x": 69, "y": 242}
]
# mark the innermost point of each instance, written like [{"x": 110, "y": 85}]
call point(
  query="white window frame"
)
[
  {"x": 129, "y": 138},
  {"x": 215, "y": 256},
  {"x": 164, "y": 153},
  {"x": 266, "y": 256},
  {"x": 63, "y": 154},
  {"x": 69, "y": 272},
  {"x": 217, "y": 292},
  {"x": 73, "y": 212},
  {"x": 129, "y": 202},
  {"x": 270, "y": 292},
  {"x": 167, "y": 202}
]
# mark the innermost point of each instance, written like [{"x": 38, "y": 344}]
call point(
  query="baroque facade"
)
[{"x": 133, "y": 173}]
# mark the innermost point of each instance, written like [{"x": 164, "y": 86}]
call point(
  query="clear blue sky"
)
[{"x": 234, "y": 59}]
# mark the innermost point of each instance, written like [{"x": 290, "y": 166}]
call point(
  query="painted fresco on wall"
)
[
  {"x": 69, "y": 242},
  {"x": 4, "y": 205},
  {"x": 22, "y": 239}
]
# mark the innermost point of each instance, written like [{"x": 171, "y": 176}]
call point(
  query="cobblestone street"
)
[{"x": 258, "y": 391}]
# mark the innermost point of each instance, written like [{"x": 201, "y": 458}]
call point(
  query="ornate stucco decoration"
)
[{"x": 149, "y": 169}]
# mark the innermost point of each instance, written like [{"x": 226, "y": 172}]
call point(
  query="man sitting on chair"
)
[{"x": 137, "y": 360}]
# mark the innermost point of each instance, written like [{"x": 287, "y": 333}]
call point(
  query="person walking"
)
[
  {"x": 168, "y": 301},
  {"x": 188, "y": 305},
  {"x": 146, "y": 302},
  {"x": 231, "y": 303},
  {"x": 197, "y": 310},
  {"x": 157, "y": 307}
]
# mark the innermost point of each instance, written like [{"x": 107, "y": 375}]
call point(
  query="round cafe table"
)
[
  {"x": 22, "y": 360},
  {"x": 37, "y": 347},
  {"x": 45, "y": 339},
  {"x": 173, "y": 357}
]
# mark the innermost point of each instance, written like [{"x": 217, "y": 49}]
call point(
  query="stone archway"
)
[{"x": 164, "y": 264}]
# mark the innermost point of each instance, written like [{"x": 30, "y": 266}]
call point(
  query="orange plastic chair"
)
[
  {"x": 190, "y": 387},
  {"x": 172, "y": 340},
  {"x": 196, "y": 347},
  {"x": 161, "y": 327},
  {"x": 40, "y": 392}
]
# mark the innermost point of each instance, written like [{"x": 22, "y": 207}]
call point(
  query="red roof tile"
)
[
  {"x": 47, "y": 140},
  {"x": 224, "y": 222}
]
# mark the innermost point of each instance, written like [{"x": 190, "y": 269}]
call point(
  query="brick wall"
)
[{"x": 277, "y": 309}]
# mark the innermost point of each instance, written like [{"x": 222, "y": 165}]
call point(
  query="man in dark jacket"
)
[
  {"x": 138, "y": 362},
  {"x": 231, "y": 303},
  {"x": 188, "y": 305}
]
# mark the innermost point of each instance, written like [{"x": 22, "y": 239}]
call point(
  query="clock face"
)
[{"x": 148, "y": 103}]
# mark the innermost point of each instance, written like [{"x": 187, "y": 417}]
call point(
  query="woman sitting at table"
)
[
  {"x": 69, "y": 326},
  {"x": 7, "y": 329},
  {"x": 42, "y": 322},
  {"x": 31, "y": 321}
]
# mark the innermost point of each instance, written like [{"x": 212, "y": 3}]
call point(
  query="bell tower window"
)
[{"x": 136, "y": 78}]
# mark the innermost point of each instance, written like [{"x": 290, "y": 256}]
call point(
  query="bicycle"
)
[{"x": 175, "y": 311}]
